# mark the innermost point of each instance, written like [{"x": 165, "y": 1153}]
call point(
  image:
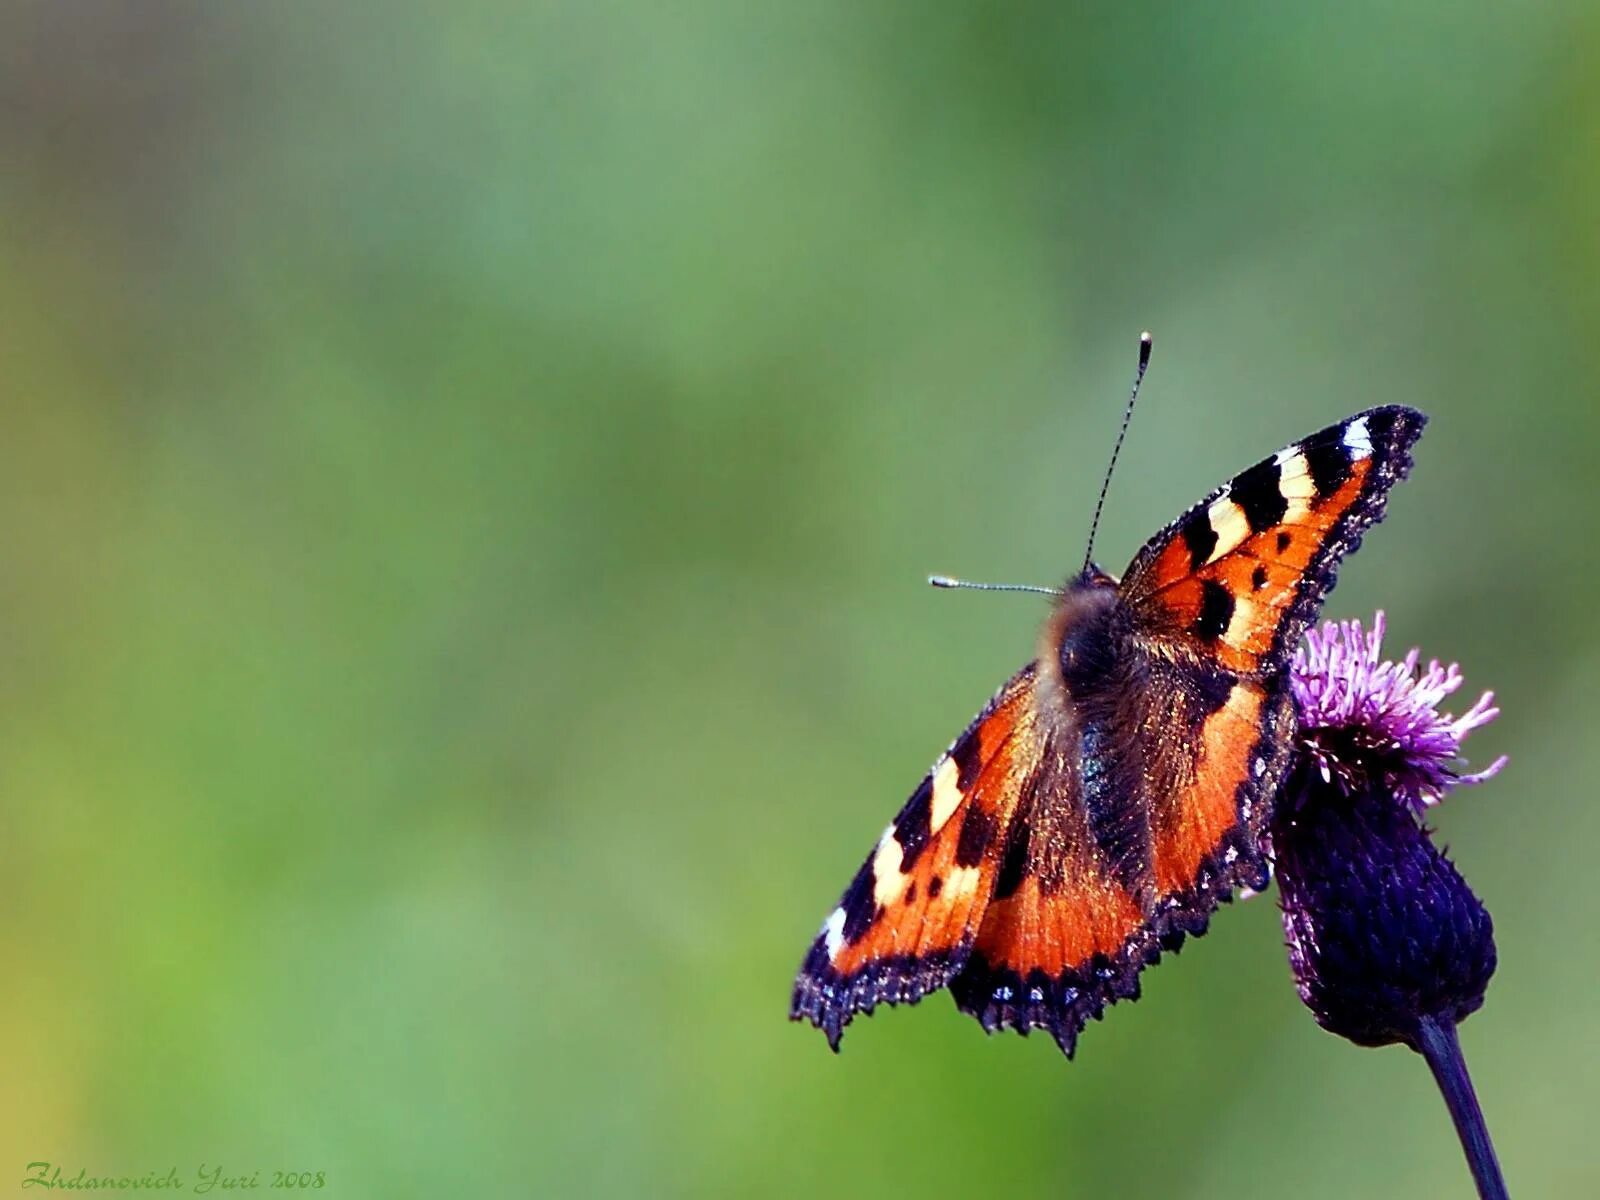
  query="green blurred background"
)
[{"x": 466, "y": 483}]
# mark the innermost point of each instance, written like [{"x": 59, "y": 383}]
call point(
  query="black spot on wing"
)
[
  {"x": 1329, "y": 464},
  {"x": 1256, "y": 491},
  {"x": 935, "y": 886},
  {"x": 914, "y": 826},
  {"x": 1200, "y": 538},
  {"x": 1258, "y": 578},
  {"x": 1013, "y": 867},
  {"x": 859, "y": 904},
  {"x": 968, "y": 759},
  {"x": 1284, "y": 538},
  {"x": 1216, "y": 611},
  {"x": 1208, "y": 688},
  {"x": 977, "y": 831}
]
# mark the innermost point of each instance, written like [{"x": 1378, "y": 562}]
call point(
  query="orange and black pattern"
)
[
  {"x": 1241, "y": 575},
  {"x": 1114, "y": 792},
  {"x": 908, "y": 919}
]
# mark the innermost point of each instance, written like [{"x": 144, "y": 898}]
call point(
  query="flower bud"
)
[{"x": 1381, "y": 928}]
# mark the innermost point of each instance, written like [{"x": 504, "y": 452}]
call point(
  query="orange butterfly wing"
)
[{"x": 907, "y": 921}]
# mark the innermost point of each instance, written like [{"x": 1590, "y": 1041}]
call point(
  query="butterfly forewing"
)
[
  {"x": 1239, "y": 577},
  {"x": 907, "y": 921}
]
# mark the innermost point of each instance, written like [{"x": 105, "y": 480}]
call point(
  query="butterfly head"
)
[{"x": 1092, "y": 576}]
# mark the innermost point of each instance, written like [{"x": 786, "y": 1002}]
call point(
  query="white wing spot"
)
[
  {"x": 946, "y": 793},
  {"x": 1357, "y": 438},
  {"x": 963, "y": 880},
  {"x": 887, "y": 880},
  {"x": 1240, "y": 624},
  {"x": 1230, "y": 525},
  {"x": 1295, "y": 484},
  {"x": 833, "y": 932}
]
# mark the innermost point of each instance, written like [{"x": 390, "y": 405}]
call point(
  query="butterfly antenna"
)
[
  {"x": 944, "y": 581},
  {"x": 1127, "y": 415}
]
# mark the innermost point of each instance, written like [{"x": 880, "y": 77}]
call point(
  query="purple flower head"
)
[
  {"x": 1385, "y": 937},
  {"x": 1366, "y": 721}
]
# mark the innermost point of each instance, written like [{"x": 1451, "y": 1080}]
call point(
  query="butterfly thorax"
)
[{"x": 1076, "y": 646}]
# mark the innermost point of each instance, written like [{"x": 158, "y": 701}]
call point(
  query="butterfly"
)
[{"x": 1117, "y": 788}]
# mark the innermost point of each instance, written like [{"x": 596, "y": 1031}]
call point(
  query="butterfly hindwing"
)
[
  {"x": 907, "y": 921},
  {"x": 1070, "y": 928},
  {"x": 1050, "y": 950}
]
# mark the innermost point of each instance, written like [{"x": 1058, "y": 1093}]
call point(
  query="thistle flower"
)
[
  {"x": 1377, "y": 722},
  {"x": 1386, "y": 940}
]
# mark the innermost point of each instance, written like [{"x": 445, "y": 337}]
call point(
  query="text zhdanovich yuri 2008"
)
[{"x": 208, "y": 1177}]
